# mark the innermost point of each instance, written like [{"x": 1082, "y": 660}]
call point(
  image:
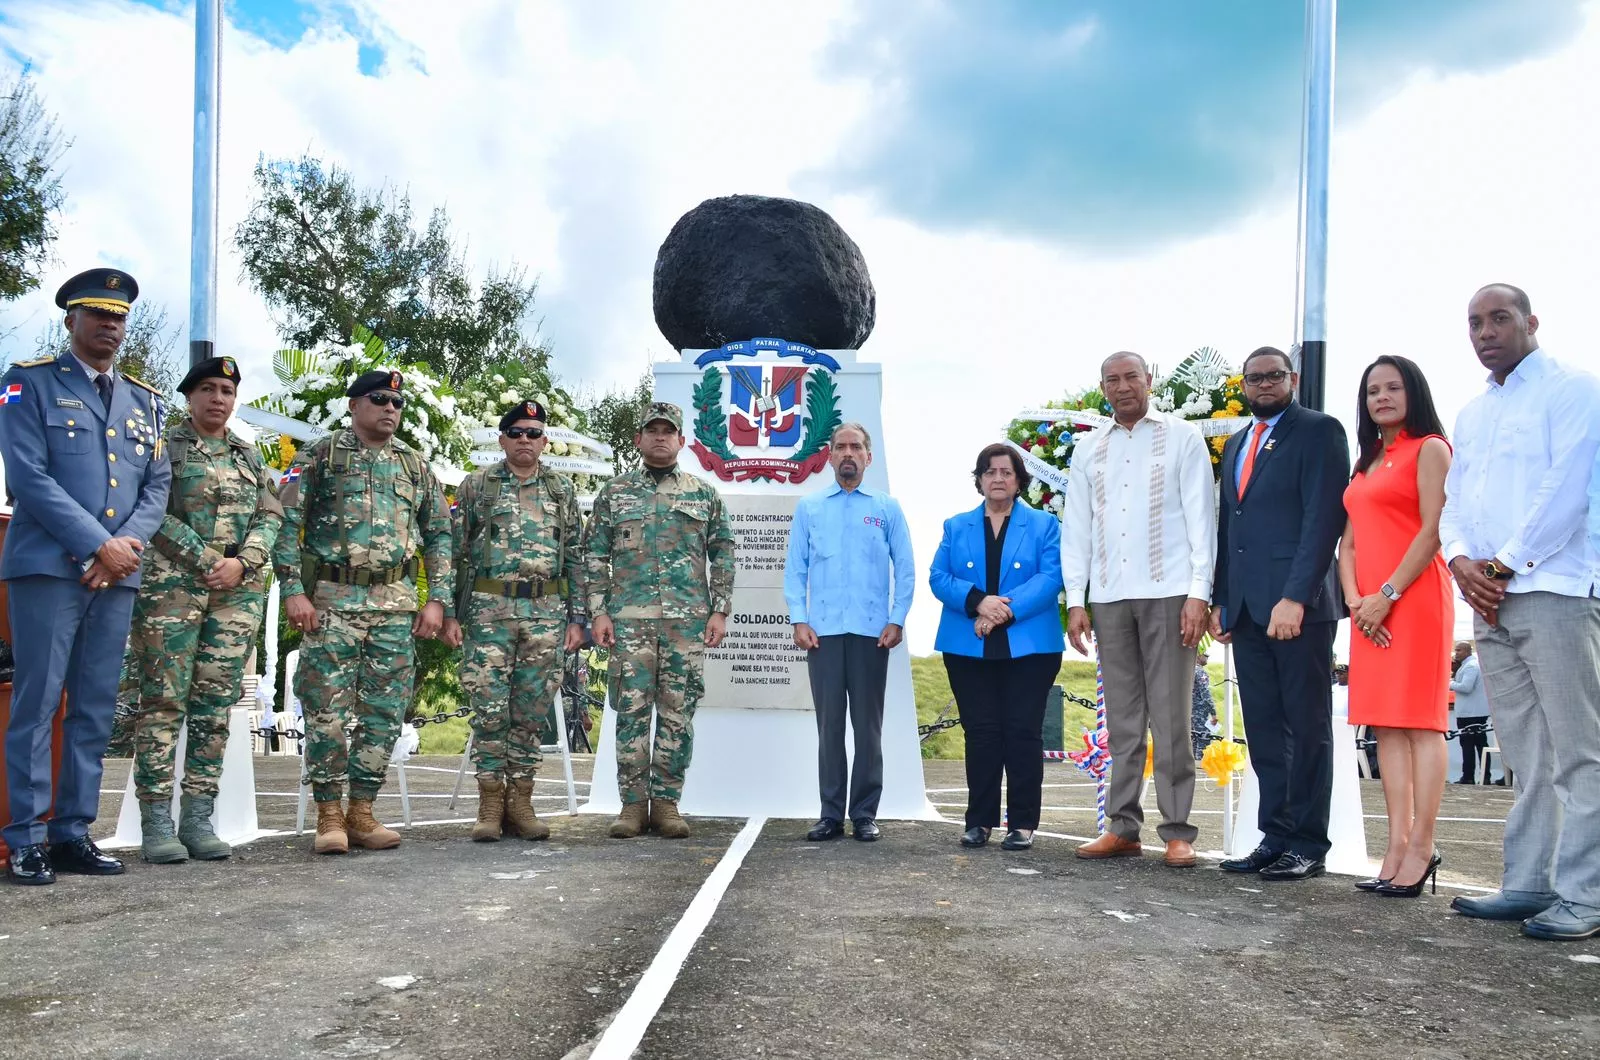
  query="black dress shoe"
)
[
  {"x": 30, "y": 866},
  {"x": 1015, "y": 840},
  {"x": 81, "y": 856},
  {"x": 1293, "y": 867},
  {"x": 976, "y": 836},
  {"x": 1255, "y": 861},
  {"x": 866, "y": 830},
  {"x": 827, "y": 828}
]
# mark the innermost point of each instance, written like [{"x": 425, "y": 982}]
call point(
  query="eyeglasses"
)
[
  {"x": 523, "y": 432},
  {"x": 1258, "y": 378},
  {"x": 381, "y": 400}
]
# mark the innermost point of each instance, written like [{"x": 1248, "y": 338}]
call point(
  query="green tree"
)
[
  {"x": 614, "y": 419},
  {"x": 147, "y": 347},
  {"x": 327, "y": 255},
  {"x": 30, "y": 186}
]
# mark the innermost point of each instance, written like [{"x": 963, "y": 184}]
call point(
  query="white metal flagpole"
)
[
  {"x": 1312, "y": 264},
  {"x": 203, "y": 218}
]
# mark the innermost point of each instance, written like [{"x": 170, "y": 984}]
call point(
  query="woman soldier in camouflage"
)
[{"x": 198, "y": 612}]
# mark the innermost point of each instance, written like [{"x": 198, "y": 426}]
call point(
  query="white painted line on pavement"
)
[{"x": 625, "y": 1033}]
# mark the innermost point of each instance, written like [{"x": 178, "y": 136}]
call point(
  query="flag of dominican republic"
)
[
  {"x": 291, "y": 475},
  {"x": 11, "y": 394}
]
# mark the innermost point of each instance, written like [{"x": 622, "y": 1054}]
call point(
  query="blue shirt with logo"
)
[{"x": 849, "y": 568}]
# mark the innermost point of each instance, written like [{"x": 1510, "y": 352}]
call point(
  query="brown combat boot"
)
[
  {"x": 491, "y": 810},
  {"x": 520, "y": 821},
  {"x": 630, "y": 822},
  {"x": 664, "y": 818},
  {"x": 330, "y": 829},
  {"x": 364, "y": 829}
]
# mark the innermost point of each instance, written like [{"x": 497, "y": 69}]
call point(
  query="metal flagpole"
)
[
  {"x": 203, "y": 230},
  {"x": 1312, "y": 264}
]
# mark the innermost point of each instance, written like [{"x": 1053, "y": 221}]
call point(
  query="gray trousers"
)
[
  {"x": 848, "y": 674},
  {"x": 1541, "y": 666},
  {"x": 1149, "y": 681}
]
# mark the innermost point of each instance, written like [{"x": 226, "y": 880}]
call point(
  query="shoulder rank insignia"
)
[
  {"x": 38, "y": 362},
  {"x": 136, "y": 381}
]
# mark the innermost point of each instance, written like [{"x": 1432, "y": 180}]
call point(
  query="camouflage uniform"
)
[
  {"x": 353, "y": 525},
  {"x": 516, "y": 575},
  {"x": 190, "y": 643},
  {"x": 646, "y": 553}
]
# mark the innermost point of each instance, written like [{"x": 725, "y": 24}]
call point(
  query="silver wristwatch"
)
[{"x": 1390, "y": 591}]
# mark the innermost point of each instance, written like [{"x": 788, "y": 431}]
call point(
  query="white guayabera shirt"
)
[
  {"x": 1518, "y": 488},
  {"x": 1140, "y": 520}
]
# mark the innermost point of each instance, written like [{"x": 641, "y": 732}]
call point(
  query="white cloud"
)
[{"x": 569, "y": 138}]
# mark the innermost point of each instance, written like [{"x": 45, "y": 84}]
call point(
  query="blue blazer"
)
[
  {"x": 1030, "y": 573},
  {"x": 1278, "y": 541},
  {"x": 79, "y": 474}
]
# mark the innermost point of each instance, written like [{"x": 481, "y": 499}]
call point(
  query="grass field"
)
[{"x": 932, "y": 691}]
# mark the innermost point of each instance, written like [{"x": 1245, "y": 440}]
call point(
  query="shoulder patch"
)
[
  {"x": 136, "y": 381},
  {"x": 38, "y": 362}
]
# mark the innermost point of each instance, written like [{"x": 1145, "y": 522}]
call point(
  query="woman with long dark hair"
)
[{"x": 1402, "y": 609}]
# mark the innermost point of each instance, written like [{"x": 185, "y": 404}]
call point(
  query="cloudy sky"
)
[{"x": 1033, "y": 184}]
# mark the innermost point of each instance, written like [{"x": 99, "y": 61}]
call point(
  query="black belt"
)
[{"x": 339, "y": 574}]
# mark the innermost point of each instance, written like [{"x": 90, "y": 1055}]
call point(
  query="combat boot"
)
[
  {"x": 331, "y": 838},
  {"x": 364, "y": 829},
  {"x": 195, "y": 831},
  {"x": 666, "y": 820},
  {"x": 160, "y": 846},
  {"x": 521, "y": 822},
  {"x": 491, "y": 810},
  {"x": 630, "y": 822}
]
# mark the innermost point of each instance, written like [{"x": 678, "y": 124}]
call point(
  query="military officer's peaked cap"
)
[
  {"x": 211, "y": 368},
  {"x": 103, "y": 290},
  {"x": 378, "y": 379},
  {"x": 663, "y": 410},
  {"x": 524, "y": 410}
]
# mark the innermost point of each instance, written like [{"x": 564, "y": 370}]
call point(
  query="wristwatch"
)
[
  {"x": 1390, "y": 591},
  {"x": 1494, "y": 570}
]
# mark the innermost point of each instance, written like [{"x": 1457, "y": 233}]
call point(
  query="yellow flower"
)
[
  {"x": 285, "y": 452},
  {"x": 1236, "y": 381},
  {"x": 1218, "y": 442},
  {"x": 1221, "y": 758},
  {"x": 1150, "y": 759},
  {"x": 1235, "y": 407}
]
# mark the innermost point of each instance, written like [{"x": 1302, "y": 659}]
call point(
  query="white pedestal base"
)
[
  {"x": 234, "y": 817},
  {"x": 1346, "y": 828}
]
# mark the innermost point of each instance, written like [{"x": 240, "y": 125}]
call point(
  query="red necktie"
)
[{"x": 1250, "y": 457}]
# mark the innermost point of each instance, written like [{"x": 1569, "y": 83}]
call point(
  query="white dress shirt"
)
[
  {"x": 1518, "y": 485},
  {"x": 1140, "y": 516}
]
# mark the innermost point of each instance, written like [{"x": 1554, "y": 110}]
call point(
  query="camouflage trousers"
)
[
  {"x": 510, "y": 670},
  {"x": 356, "y": 665},
  {"x": 656, "y": 664},
  {"x": 189, "y": 647}
]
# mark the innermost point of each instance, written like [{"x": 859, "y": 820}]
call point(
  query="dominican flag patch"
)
[
  {"x": 11, "y": 394},
  {"x": 454, "y": 507},
  {"x": 291, "y": 475}
]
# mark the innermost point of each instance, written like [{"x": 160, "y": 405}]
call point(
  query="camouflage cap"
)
[{"x": 663, "y": 410}]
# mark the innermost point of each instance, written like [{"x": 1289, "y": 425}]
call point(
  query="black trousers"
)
[
  {"x": 1001, "y": 704},
  {"x": 849, "y": 673},
  {"x": 1286, "y": 691},
  {"x": 1472, "y": 744}
]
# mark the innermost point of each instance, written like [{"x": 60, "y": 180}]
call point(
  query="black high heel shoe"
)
[
  {"x": 1414, "y": 890},
  {"x": 1373, "y": 884}
]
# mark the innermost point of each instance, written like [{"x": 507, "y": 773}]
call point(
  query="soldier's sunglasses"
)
[
  {"x": 523, "y": 432},
  {"x": 381, "y": 400}
]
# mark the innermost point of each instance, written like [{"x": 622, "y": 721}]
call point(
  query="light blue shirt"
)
[
  {"x": 1472, "y": 699},
  {"x": 1594, "y": 522},
  {"x": 1238, "y": 462},
  {"x": 849, "y": 568}
]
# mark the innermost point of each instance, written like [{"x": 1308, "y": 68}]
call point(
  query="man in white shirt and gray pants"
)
[
  {"x": 1514, "y": 532},
  {"x": 1139, "y": 544}
]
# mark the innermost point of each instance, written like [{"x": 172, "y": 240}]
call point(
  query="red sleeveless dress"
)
[{"x": 1406, "y": 685}]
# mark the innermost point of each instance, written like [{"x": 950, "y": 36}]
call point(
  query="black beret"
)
[
  {"x": 526, "y": 410},
  {"x": 212, "y": 368},
  {"x": 367, "y": 382},
  {"x": 105, "y": 290}
]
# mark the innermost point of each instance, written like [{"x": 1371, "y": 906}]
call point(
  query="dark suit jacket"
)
[{"x": 1278, "y": 542}]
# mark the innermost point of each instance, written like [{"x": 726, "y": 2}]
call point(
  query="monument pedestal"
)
[{"x": 758, "y": 416}]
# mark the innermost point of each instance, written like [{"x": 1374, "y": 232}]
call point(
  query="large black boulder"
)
[{"x": 750, "y": 266}]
